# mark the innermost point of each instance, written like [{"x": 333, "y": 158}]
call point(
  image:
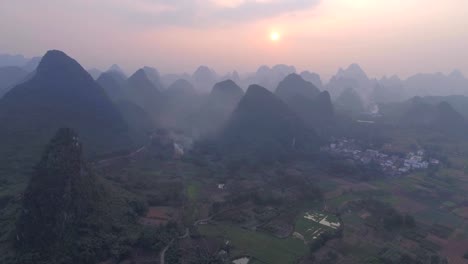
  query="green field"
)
[
  {"x": 193, "y": 190},
  {"x": 310, "y": 229},
  {"x": 264, "y": 247},
  {"x": 340, "y": 200},
  {"x": 433, "y": 215},
  {"x": 327, "y": 185}
]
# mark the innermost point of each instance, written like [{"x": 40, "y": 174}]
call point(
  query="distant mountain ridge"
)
[
  {"x": 9, "y": 77},
  {"x": 458, "y": 102},
  {"x": 17, "y": 60},
  {"x": 433, "y": 114},
  {"x": 269, "y": 77}
]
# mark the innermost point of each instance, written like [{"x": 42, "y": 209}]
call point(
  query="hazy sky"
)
[{"x": 384, "y": 36}]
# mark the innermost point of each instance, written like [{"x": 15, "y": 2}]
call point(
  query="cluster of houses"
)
[{"x": 391, "y": 164}]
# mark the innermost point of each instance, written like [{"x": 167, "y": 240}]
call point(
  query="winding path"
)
[
  {"x": 110, "y": 161},
  {"x": 162, "y": 256}
]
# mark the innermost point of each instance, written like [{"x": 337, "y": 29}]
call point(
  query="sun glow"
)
[{"x": 275, "y": 36}]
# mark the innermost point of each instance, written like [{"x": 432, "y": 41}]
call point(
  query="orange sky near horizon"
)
[{"x": 384, "y": 37}]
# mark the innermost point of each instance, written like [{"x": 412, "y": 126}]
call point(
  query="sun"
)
[{"x": 275, "y": 36}]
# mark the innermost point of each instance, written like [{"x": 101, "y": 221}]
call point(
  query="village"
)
[{"x": 391, "y": 165}]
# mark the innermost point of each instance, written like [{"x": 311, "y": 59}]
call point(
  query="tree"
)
[{"x": 409, "y": 221}]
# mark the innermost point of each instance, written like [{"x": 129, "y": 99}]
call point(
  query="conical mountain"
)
[
  {"x": 181, "y": 100},
  {"x": 218, "y": 107},
  {"x": 69, "y": 215},
  {"x": 140, "y": 123},
  {"x": 144, "y": 93},
  {"x": 350, "y": 102},
  {"x": 313, "y": 78},
  {"x": 234, "y": 76},
  {"x": 271, "y": 77},
  {"x": 168, "y": 79},
  {"x": 263, "y": 71},
  {"x": 352, "y": 77},
  {"x": 204, "y": 78},
  {"x": 311, "y": 105},
  {"x": 116, "y": 68},
  {"x": 226, "y": 91},
  {"x": 114, "y": 84},
  {"x": 60, "y": 94},
  {"x": 61, "y": 195},
  {"x": 354, "y": 71},
  {"x": 458, "y": 102},
  {"x": 263, "y": 125},
  {"x": 441, "y": 117},
  {"x": 317, "y": 113},
  {"x": 324, "y": 105},
  {"x": 154, "y": 77},
  {"x": 293, "y": 85},
  {"x": 181, "y": 97},
  {"x": 450, "y": 120},
  {"x": 181, "y": 87},
  {"x": 141, "y": 81},
  {"x": 388, "y": 90},
  {"x": 418, "y": 113},
  {"x": 203, "y": 73}
]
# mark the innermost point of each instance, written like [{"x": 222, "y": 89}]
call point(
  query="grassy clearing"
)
[
  {"x": 327, "y": 185},
  {"x": 264, "y": 247},
  {"x": 436, "y": 216},
  {"x": 342, "y": 199},
  {"x": 193, "y": 191},
  {"x": 352, "y": 219}
]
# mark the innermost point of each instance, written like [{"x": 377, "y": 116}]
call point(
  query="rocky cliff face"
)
[{"x": 62, "y": 194}]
